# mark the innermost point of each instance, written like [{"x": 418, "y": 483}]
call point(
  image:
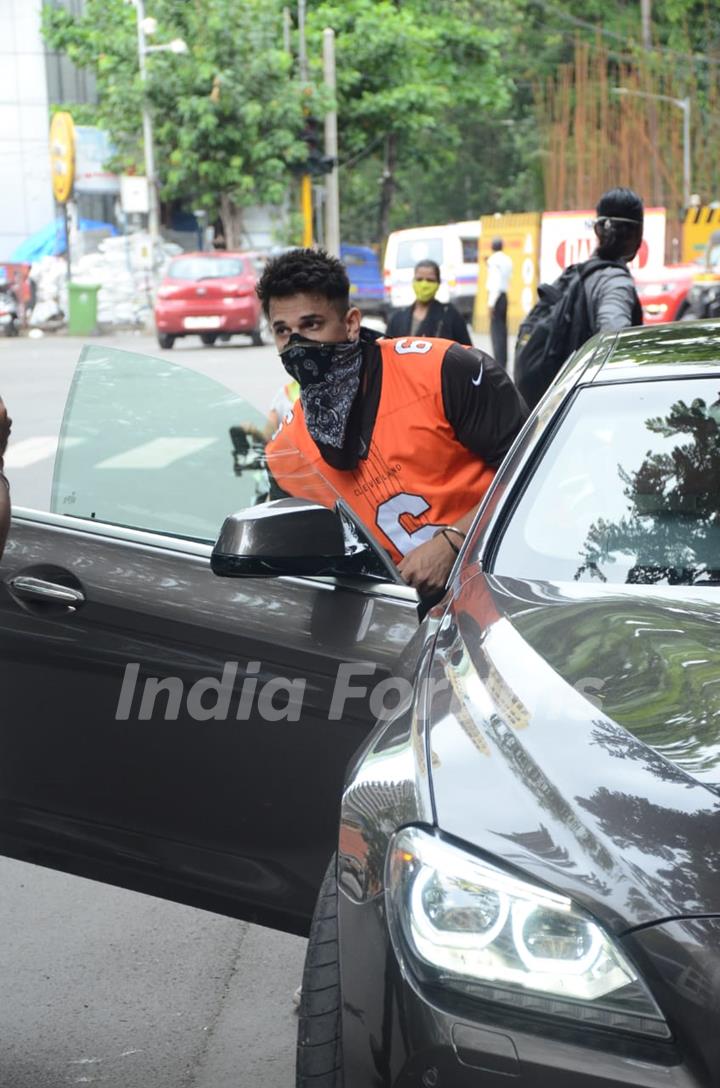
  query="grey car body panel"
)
[
  {"x": 214, "y": 812},
  {"x": 594, "y": 811}
]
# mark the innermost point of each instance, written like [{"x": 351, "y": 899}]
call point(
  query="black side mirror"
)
[{"x": 295, "y": 536}]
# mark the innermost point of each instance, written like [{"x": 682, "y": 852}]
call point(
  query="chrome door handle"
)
[{"x": 40, "y": 590}]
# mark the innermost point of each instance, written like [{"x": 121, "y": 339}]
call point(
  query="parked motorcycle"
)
[{"x": 9, "y": 311}]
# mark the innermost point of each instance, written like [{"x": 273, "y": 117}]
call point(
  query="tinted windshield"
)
[
  {"x": 627, "y": 491},
  {"x": 200, "y": 268},
  {"x": 413, "y": 250}
]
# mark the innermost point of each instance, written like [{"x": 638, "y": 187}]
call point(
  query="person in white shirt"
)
[{"x": 499, "y": 274}]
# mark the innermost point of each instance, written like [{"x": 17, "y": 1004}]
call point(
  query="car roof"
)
[
  {"x": 207, "y": 253},
  {"x": 677, "y": 349}
]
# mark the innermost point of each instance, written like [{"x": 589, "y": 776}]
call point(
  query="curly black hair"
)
[{"x": 304, "y": 271}]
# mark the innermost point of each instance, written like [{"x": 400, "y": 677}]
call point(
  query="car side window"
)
[
  {"x": 146, "y": 444},
  {"x": 626, "y": 492}
]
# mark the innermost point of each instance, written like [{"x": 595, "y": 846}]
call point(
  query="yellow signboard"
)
[
  {"x": 62, "y": 156},
  {"x": 521, "y": 241},
  {"x": 698, "y": 225}
]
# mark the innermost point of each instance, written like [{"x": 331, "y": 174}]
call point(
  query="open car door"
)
[{"x": 162, "y": 728}]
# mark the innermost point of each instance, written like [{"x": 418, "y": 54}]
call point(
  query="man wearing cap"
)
[{"x": 612, "y": 300}]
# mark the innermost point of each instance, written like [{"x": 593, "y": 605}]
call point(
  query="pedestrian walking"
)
[
  {"x": 411, "y": 448},
  {"x": 426, "y": 316},
  {"x": 612, "y": 300},
  {"x": 596, "y": 296},
  {"x": 5, "y": 428},
  {"x": 499, "y": 274}
]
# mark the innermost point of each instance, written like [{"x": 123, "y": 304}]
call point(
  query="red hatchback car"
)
[
  {"x": 210, "y": 295},
  {"x": 663, "y": 293}
]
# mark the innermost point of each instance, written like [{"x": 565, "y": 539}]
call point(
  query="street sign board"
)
[
  {"x": 62, "y": 156},
  {"x": 134, "y": 194},
  {"x": 92, "y": 151}
]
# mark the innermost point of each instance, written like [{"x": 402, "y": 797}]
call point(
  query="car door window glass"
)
[
  {"x": 626, "y": 492},
  {"x": 146, "y": 443}
]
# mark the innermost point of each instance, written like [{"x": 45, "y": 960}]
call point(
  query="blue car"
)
[{"x": 366, "y": 281}]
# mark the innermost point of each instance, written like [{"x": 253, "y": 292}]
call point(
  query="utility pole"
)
[
  {"x": 646, "y": 17},
  {"x": 646, "y": 33},
  {"x": 287, "y": 23},
  {"x": 153, "y": 210},
  {"x": 302, "y": 51},
  {"x": 332, "y": 194},
  {"x": 306, "y": 194}
]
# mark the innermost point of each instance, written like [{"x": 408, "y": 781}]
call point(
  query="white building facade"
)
[{"x": 27, "y": 202}]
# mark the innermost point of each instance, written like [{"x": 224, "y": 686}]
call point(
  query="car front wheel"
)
[
  {"x": 262, "y": 334},
  {"x": 319, "y": 1045},
  {"x": 165, "y": 340}
]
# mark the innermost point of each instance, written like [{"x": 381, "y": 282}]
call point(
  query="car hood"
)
[{"x": 575, "y": 734}]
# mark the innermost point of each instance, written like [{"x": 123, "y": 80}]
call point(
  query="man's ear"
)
[{"x": 352, "y": 322}]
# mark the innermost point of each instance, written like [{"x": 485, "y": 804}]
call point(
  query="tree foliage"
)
[
  {"x": 415, "y": 81},
  {"x": 227, "y": 115},
  {"x": 436, "y": 101}
]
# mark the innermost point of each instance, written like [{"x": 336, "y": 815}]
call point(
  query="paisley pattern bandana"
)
[{"x": 329, "y": 378}]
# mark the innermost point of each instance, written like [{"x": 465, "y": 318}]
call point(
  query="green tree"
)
[
  {"x": 412, "y": 76},
  {"x": 227, "y": 115}
]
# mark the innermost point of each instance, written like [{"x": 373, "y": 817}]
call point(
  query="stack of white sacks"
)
[
  {"x": 127, "y": 277},
  {"x": 123, "y": 270},
  {"x": 50, "y": 276}
]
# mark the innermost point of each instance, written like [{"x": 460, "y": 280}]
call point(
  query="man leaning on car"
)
[{"x": 5, "y": 425}]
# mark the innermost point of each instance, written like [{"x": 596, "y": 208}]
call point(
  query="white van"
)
[{"x": 453, "y": 246}]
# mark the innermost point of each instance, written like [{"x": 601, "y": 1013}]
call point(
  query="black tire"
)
[
  {"x": 166, "y": 340},
  {"x": 262, "y": 335},
  {"x": 685, "y": 313},
  {"x": 208, "y": 338},
  {"x": 319, "y": 1045}
]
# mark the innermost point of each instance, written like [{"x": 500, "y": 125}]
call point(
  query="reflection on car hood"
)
[{"x": 579, "y": 738}]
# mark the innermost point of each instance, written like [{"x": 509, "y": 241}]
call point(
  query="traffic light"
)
[{"x": 317, "y": 162}]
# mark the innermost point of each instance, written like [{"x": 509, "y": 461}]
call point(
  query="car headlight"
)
[{"x": 462, "y": 923}]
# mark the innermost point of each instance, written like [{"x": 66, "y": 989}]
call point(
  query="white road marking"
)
[
  {"x": 158, "y": 453},
  {"x": 31, "y": 450}
]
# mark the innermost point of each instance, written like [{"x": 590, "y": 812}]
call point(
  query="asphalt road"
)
[{"x": 104, "y": 986}]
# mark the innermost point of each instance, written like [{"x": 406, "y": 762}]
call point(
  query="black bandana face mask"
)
[{"x": 329, "y": 377}]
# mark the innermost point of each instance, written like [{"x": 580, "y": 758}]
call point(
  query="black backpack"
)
[{"x": 557, "y": 325}]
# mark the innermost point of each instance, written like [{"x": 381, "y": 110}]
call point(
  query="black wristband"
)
[{"x": 445, "y": 534}]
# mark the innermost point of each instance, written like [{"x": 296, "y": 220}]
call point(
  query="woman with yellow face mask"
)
[{"x": 427, "y": 316}]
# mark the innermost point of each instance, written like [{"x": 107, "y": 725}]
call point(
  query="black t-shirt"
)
[
  {"x": 441, "y": 320},
  {"x": 480, "y": 401}
]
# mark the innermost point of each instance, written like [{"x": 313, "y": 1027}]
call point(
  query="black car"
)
[{"x": 526, "y": 880}]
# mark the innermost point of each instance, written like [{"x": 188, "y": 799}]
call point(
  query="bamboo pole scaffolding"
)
[{"x": 596, "y": 138}]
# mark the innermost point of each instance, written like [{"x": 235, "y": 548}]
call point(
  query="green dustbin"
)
[{"x": 82, "y": 303}]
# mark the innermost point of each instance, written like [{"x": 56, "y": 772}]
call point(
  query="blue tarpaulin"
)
[{"x": 50, "y": 241}]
